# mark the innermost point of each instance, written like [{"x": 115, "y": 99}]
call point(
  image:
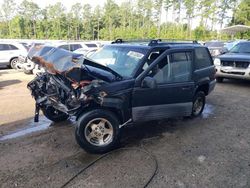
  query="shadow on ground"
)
[
  {"x": 9, "y": 82},
  {"x": 134, "y": 134}
]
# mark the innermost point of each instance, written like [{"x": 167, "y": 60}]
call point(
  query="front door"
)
[{"x": 174, "y": 92}]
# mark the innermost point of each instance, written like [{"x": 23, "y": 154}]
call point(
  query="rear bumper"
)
[{"x": 231, "y": 72}]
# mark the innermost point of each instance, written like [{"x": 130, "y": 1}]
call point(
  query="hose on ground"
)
[{"x": 109, "y": 153}]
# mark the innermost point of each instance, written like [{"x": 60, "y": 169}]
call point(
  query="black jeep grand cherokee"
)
[{"x": 122, "y": 83}]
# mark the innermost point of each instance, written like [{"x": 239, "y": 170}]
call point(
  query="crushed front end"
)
[{"x": 70, "y": 83}]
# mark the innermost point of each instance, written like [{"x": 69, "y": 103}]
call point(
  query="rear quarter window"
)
[
  {"x": 4, "y": 47},
  {"x": 202, "y": 58},
  {"x": 12, "y": 47},
  {"x": 65, "y": 47},
  {"x": 74, "y": 47},
  {"x": 91, "y": 45}
]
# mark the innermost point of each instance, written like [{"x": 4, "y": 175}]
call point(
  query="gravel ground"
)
[{"x": 210, "y": 151}]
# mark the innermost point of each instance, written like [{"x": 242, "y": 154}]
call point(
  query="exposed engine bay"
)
[{"x": 70, "y": 81}]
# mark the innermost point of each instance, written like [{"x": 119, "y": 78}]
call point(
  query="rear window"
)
[
  {"x": 91, "y": 45},
  {"x": 202, "y": 58},
  {"x": 12, "y": 47}
]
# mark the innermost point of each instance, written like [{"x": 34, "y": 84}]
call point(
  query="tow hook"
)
[{"x": 37, "y": 109}]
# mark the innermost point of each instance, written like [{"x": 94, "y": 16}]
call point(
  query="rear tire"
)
[
  {"x": 198, "y": 104},
  {"x": 54, "y": 115},
  {"x": 13, "y": 63},
  {"x": 219, "y": 79},
  {"x": 98, "y": 131}
]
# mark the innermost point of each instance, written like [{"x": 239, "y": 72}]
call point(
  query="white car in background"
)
[
  {"x": 9, "y": 53},
  {"x": 73, "y": 46}
]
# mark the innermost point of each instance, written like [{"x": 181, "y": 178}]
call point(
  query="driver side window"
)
[{"x": 175, "y": 67}]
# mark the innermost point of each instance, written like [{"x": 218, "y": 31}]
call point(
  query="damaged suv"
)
[{"x": 120, "y": 84}]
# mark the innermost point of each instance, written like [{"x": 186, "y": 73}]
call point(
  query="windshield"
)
[
  {"x": 241, "y": 48},
  {"x": 121, "y": 59}
]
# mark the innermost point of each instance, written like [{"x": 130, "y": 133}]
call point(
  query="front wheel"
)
[
  {"x": 97, "y": 131},
  {"x": 198, "y": 103},
  {"x": 54, "y": 115}
]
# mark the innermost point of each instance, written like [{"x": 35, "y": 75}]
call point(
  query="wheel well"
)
[
  {"x": 116, "y": 112},
  {"x": 204, "y": 88}
]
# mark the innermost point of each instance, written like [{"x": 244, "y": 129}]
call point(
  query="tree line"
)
[{"x": 129, "y": 19}]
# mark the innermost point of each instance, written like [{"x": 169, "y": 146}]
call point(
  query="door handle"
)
[{"x": 186, "y": 88}]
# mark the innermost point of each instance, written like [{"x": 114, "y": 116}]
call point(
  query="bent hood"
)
[{"x": 60, "y": 61}]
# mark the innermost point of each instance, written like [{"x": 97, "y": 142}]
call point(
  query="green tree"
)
[
  {"x": 111, "y": 17},
  {"x": 7, "y": 13},
  {"x": 30, "y": 12},
  {"x": 75, "y": 15},
  {"x": 158, "y": 11},
  {"x": 242, "y": 13},
  {"x": 56, "y": 19}
]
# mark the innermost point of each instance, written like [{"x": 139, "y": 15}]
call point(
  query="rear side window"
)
[
  {"x": 4, "y": 47},
  {"x": 12, "y": 47},
  {"x": 75, "y": 47},
  {"x": 202, "y": 58},
  {"x": 91, "y": 45}
]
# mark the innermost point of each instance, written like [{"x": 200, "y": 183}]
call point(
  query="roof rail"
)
[{"x": 152, "y": 42}]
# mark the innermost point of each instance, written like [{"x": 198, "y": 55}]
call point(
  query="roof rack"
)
[{"x": 153, "y": 42}]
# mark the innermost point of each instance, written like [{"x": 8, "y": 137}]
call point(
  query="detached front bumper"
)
[{"x": 233, "y": 72}]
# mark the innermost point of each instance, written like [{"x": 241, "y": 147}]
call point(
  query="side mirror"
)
[{"x": 149, "y": 82}]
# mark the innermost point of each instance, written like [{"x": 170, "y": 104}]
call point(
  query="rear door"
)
[{"x": 175, "y": 88}]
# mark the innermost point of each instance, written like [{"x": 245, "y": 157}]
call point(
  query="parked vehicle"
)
[
  {"x": 229, "y": 45},
  {"x": 9, "y": 53},
  {"x": 25, "y": 64},
  {"x": 154, "y": 81},
  {"x": 72, "y": 46},
  {"x": 215, "y": 47},
  {"x": 85, "y": 52},
  {"x": 235, "y": 63}
]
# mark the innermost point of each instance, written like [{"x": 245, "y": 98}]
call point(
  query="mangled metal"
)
[{"x": 70, "y": 81}]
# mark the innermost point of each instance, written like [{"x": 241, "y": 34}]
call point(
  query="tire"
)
[
  {"x": 97, "y": 131},
  {"x": 54, "y": 115},
  {"x": 199, "y": 102},
  {"x": 13, "y": 63},
  {"x": 219, "y": 79}
]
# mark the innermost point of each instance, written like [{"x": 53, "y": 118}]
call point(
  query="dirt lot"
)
[{"x": 209, "y": 151}]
